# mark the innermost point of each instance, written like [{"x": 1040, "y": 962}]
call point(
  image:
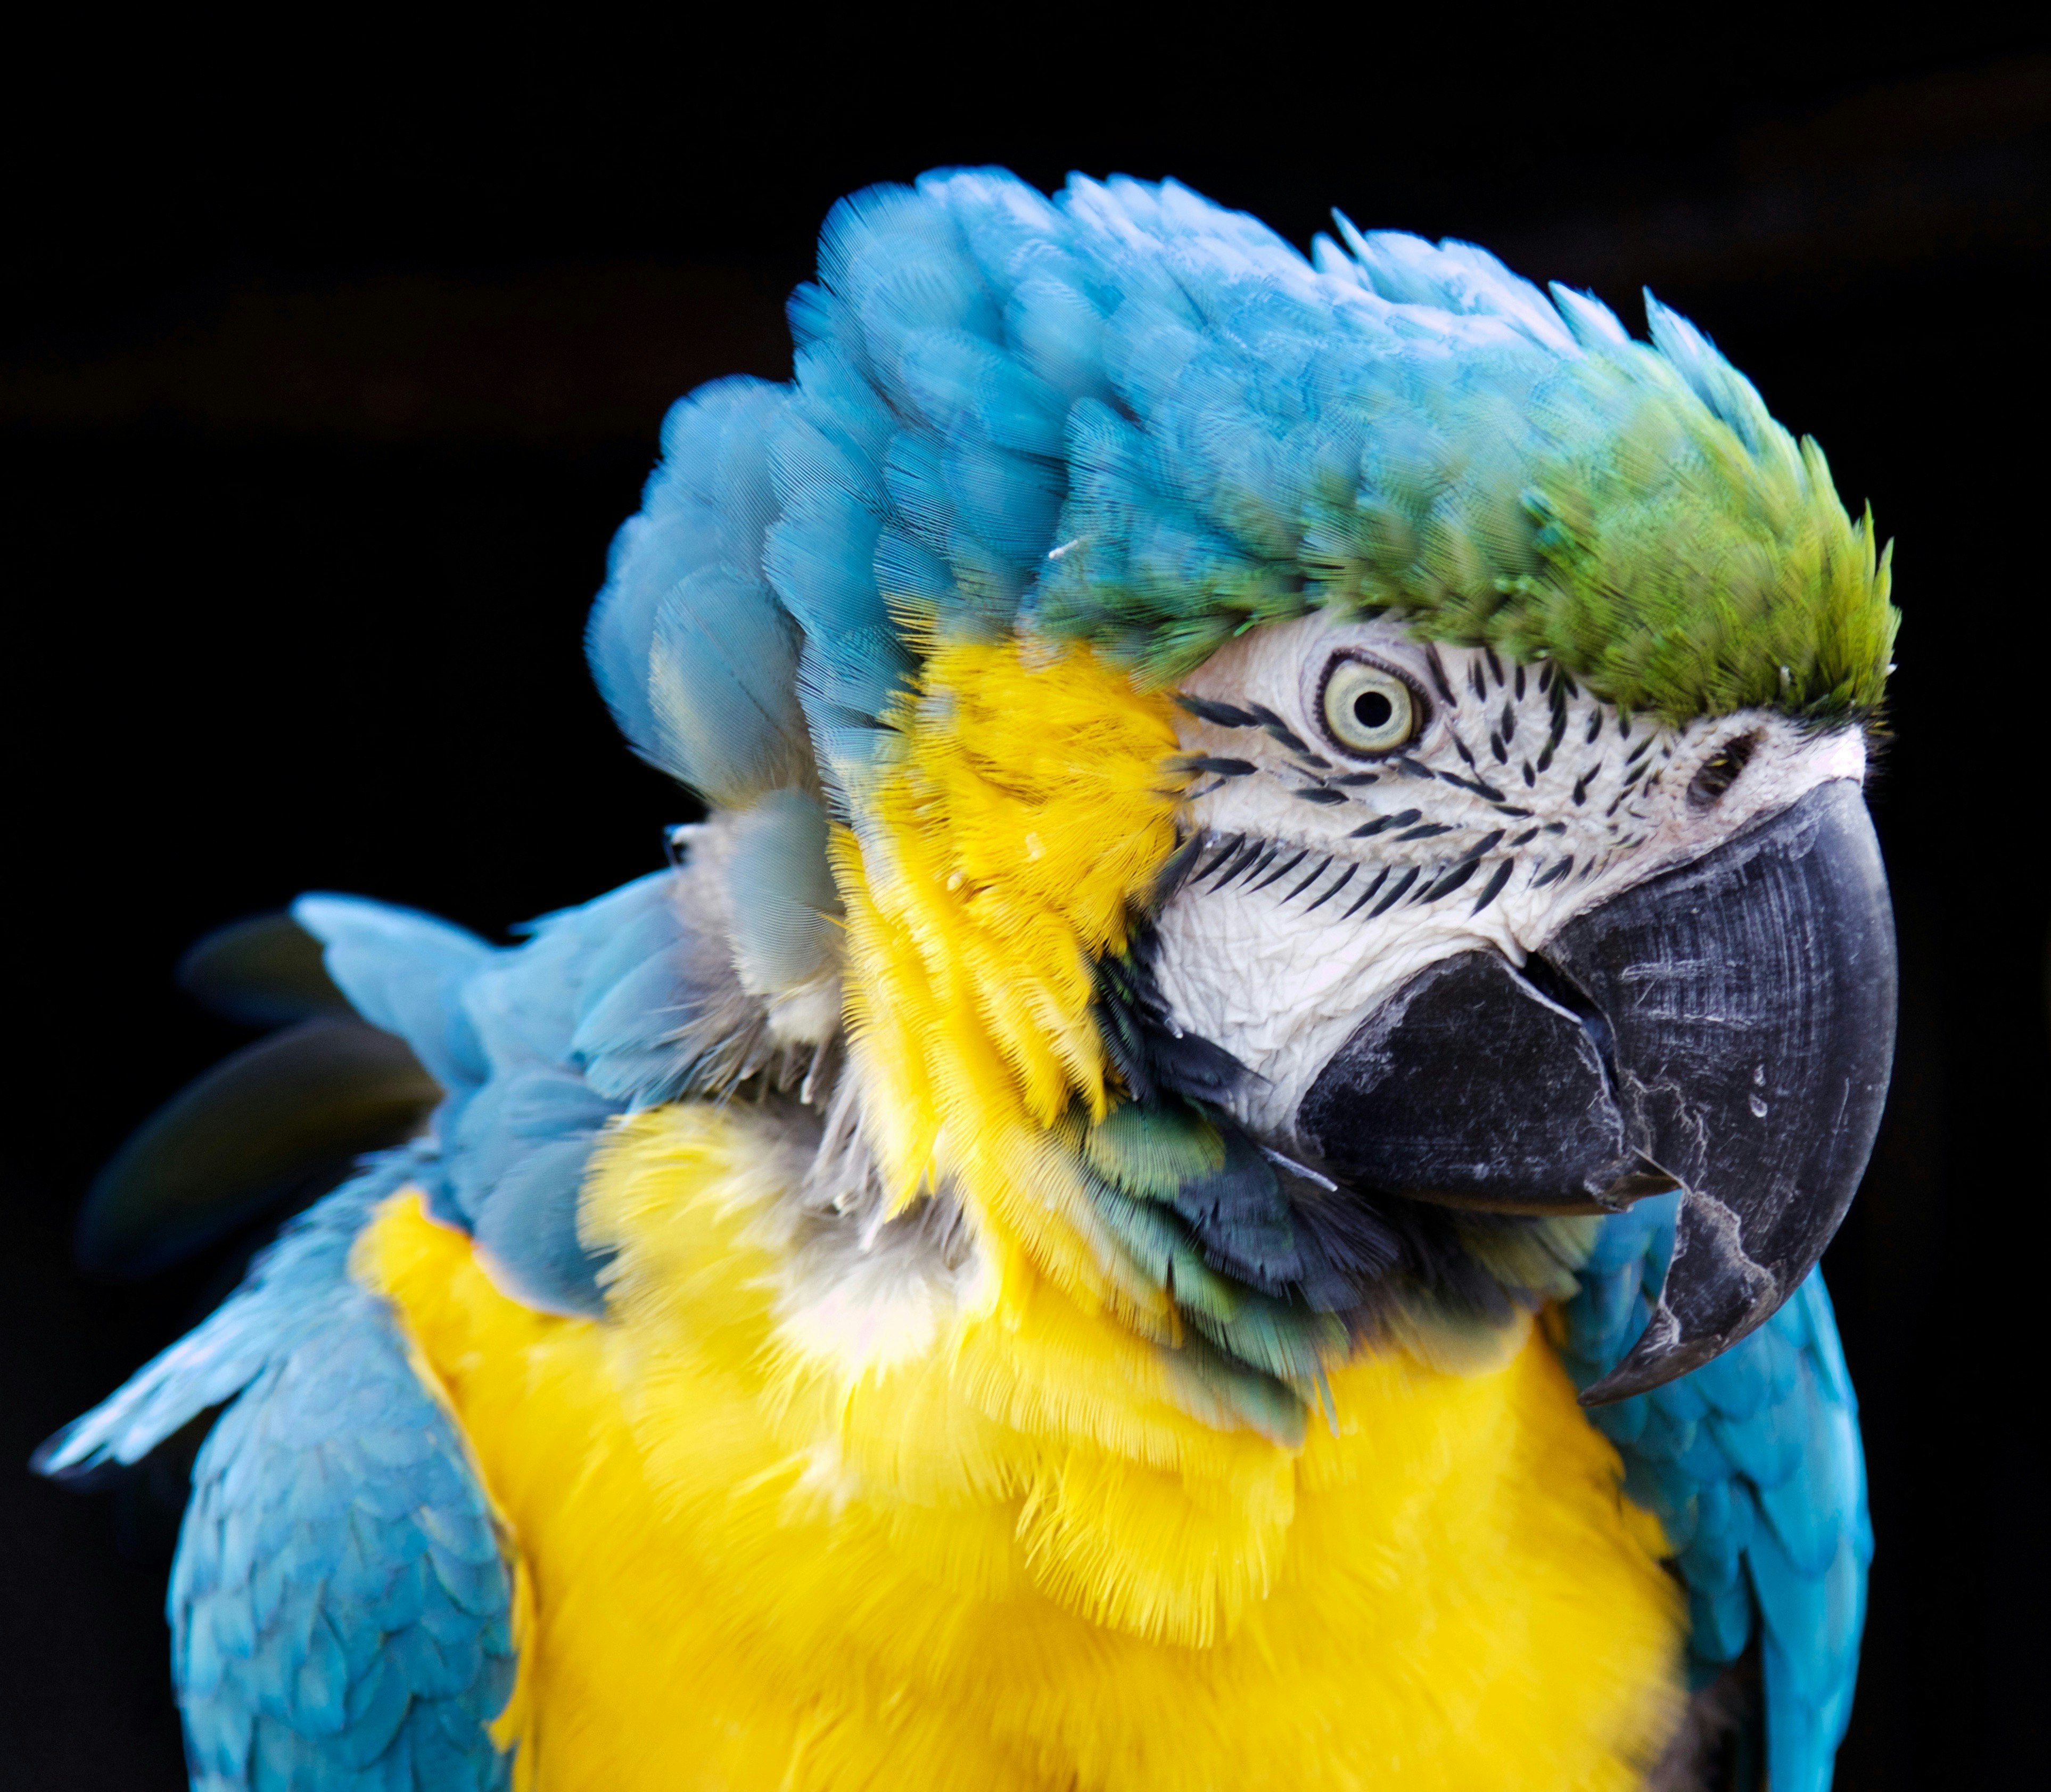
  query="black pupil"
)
[{"x": 1372, "y": 711}]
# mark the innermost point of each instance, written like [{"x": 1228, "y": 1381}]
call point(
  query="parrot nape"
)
[{"x": 1206, "y": 1174}]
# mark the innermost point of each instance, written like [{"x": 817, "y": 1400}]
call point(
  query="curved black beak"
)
[{"x": 1727, "y": 1027}]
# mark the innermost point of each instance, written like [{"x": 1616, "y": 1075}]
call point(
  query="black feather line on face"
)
[
  {"x": 1394, "y": 895},
  {"x": 1367, "y": 895},
  {"x": 1324, "y": 864},
  {"x": 1260, "y": 862},
  {"x": 1233, "y": 866},
  {"x": 1493, "y": 887},
  {"x": 1280, "y": 871},
  {"x": 1439, "y": 679},
  {"x": 1172, "y": 875},
  {"x": 1221, "y": 715},
  {"x": 1278, "y": 728},
  {"x": 1224, "y": 852},
  {"x": 1453, "y": 879},
  {"x": 1473, "y": 786},
  {"x": 1346, "y": 877}
]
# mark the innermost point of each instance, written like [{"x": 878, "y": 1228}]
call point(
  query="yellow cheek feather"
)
[
  {"x": 1022, "y": 812},
  {"x": 1011, "y": 1560}
]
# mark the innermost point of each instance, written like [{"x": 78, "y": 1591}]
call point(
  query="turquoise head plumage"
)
[{"x": 1127, "y": 415}]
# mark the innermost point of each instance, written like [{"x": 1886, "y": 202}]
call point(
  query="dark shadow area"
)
[{"x": 317, "y": 409}]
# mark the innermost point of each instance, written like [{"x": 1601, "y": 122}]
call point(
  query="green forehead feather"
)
[
  {"x": 1629, "y": 511},
  {"x": 1127, "y": 416}
]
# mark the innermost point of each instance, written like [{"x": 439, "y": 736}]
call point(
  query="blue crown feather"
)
[{"x": 1128, "y": 415}]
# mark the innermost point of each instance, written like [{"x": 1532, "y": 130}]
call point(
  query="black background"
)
[{"x": 327, "y": 367}]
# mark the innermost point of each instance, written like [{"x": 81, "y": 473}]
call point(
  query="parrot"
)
[{"x": 1208, "y": 1169}]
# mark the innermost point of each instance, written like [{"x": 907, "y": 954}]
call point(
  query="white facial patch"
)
[{"x": 1328, "y": 877}]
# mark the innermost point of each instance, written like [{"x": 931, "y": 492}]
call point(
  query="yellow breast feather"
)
[{"x": 1011, "y": 1561}]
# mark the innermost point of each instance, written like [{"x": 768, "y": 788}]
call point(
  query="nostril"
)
[{"x": 1720, "y": 770}]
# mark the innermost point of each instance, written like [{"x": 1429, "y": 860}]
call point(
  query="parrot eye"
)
[{"x": 1367, "y": 709}]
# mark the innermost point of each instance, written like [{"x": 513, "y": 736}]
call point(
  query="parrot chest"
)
[{"x": 731, "y": 1577}]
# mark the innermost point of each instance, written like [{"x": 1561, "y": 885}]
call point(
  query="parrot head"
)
[{"x": 1260, "y": 796}]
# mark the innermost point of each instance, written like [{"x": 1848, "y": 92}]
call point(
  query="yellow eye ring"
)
[{"x": 1367, "y": 710}]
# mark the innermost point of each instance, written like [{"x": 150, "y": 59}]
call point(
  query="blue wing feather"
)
[
  {"x": 340, "y": 1602},
  {"x": 405, "y": 971},
  {"x": 1752, "y": 1465},
  {"x": 537, "y": 1047}
]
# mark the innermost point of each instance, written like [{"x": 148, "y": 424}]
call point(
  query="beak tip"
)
[{"x": 1661, "y": 1354}]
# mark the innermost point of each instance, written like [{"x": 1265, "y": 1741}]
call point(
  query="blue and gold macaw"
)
[{"x": 1208, "y": 1172}]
